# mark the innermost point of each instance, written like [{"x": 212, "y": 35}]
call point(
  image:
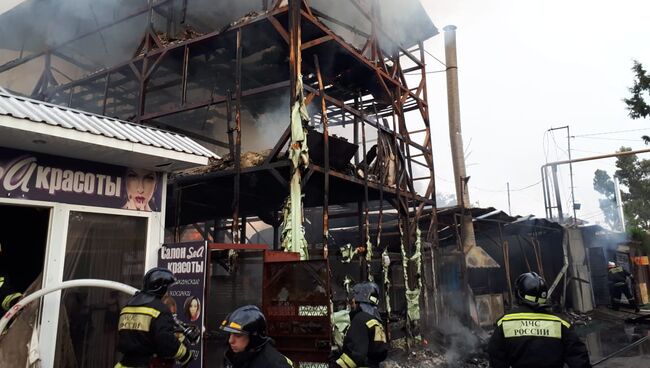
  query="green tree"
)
[
  {"x": 637, "y": 106},
  {"x": 604, "y": 185},
  {"x": 634, "y": 175}
]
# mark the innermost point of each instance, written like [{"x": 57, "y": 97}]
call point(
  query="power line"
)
[
  {"x": 493, "y": 190},
  {"x": 609, "y": 139},
  {"x": 612, "y": 132},
  {"x": 431, "y": 72},
  {"x": 438, "y": 60},
  {"x": 511, "y": 190},
  {"x": 557, "y": 146}
]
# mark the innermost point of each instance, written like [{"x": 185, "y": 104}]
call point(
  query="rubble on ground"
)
[
  {"x": 426, "y": 358},
  {"x": 578, "y": 319}
]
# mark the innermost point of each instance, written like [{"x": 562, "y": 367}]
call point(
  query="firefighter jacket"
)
[
  {"x": 146, "y": 329},
  {"x": 267, "y": 356},
  {"x": 365, "y": 343},
  {"x": 618, "y": 276},
  {"x": 532, "y": 338},
  {"x": 8, "y": 295}
]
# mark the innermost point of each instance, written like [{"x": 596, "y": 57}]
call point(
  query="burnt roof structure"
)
[{"x": 222, "y": 72}]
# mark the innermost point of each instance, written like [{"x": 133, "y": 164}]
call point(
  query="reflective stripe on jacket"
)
[{"x": 535, "y": 339}]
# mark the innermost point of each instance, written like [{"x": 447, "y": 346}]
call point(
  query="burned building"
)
[{"x": 323, "y": 99}]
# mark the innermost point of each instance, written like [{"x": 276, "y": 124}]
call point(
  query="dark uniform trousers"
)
[
  {"x": 364, "y": 344},
  {"x": 8, "y": 295},
  {"x": 146, "y": 331},
  {"x": 534, "y": 339},
  {"x": 617, "y": 277},
  {"x": 267, "y": 357}
]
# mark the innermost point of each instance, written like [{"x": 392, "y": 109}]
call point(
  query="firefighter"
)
[
  {"x": 618, "y": 278},
  {"x": 529, "y": 336},
  {"x": 364, "y": 344},
  {"x": 147, "y": 329},
  {"x": 8, "y": 294},
  {"x": 249, "y": 346}
]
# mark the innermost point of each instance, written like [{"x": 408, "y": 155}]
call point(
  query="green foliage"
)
[
  {"x": 643, "y": 237},
  {"x": 634, "y": 175},
  {"x": 604, "y": 185},
  {"x": 637, "y": 106}
]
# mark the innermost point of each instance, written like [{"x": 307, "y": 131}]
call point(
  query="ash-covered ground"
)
[
  {"x": 450, "y": 345},
  {"x": 425, "y": 358}
]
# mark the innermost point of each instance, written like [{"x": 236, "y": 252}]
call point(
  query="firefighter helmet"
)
[
  {"x": 611, "y": 264},
  {"x": 247, "y": 320},
  {"x": 531, "y": 289},
  {"x": 366, "y": 292},
  {"x": 157, "y": 280}
]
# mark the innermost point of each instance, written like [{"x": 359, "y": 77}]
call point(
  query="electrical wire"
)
[
  {"x": 438, "y": 60},
  {"x": 545, "y": 146},
  {"x": 560, "y": 175},
  {"x": 611, "y": 139},
  {"x": 505, "y": 190},
  {"x": 557, "y": 146},
  {"x": 612, "y": 132},
  {"x": 431, "y": 72},
  {"x": 494, "y": 190}
]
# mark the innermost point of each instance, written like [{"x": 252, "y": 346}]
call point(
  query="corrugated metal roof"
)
[{"x": 42, "y": 112}]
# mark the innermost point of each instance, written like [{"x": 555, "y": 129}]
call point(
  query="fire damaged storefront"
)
[
  {"x": 81, "y": 197},
  {"x": 318, "y": 112}
]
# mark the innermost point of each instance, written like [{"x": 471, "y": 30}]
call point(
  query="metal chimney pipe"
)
[{"x": 456, "y": 138}]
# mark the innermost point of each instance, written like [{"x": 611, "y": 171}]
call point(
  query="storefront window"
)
[{"x": 99, "y": 246}]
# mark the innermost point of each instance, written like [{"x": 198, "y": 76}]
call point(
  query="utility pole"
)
[
  {"x": 573, "y": 198},
  {"x": 509, "y": 210}
]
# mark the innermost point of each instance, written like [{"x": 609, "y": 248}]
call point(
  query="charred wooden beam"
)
[
  {"x": 237, "y": 154},
  {"x": 326, "y": 156}
]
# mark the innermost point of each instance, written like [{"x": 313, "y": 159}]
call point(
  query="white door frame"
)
[{"x": 54, "y": 262}]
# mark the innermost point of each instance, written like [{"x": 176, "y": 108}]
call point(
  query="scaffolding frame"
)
[{"x": 383, "y": 108}]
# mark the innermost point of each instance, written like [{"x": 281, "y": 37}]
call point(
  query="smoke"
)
[
  {"x": 37, "y": 25},
  {"x": 404, "y": 22},
  {"x": 209, "y": 15},
  {"x": 445, "y": 200},
  {"x": 462, "y": 341},
  {"x": 264, "y": 120}
]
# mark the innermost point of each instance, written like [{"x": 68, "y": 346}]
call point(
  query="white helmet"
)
[{"x": 611, "y": 264}]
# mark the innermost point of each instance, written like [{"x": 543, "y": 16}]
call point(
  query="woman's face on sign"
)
[
  {"x": 140, "y": 186},
  {"x": 194, "y": 309}
]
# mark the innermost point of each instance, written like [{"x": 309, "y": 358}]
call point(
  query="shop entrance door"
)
[
  {"x": 23, "y": 237},
  {"x": 23, "y": 240}
]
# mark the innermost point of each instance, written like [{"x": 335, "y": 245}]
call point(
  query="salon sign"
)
[
  {"x": 185, "y": 298},
  {"x": 36, "y": 176}
]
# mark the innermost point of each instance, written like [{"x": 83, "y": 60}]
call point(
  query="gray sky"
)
[{"x": 526, "y": 66}]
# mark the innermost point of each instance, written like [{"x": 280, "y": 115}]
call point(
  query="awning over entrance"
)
[{"x": 37, "y": 126}]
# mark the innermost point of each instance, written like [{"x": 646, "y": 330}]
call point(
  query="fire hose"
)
[
  {"x": 64, "y": 285},
  {"x": 628, "y": 347},
  {"x": 192, "y": 333}
]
